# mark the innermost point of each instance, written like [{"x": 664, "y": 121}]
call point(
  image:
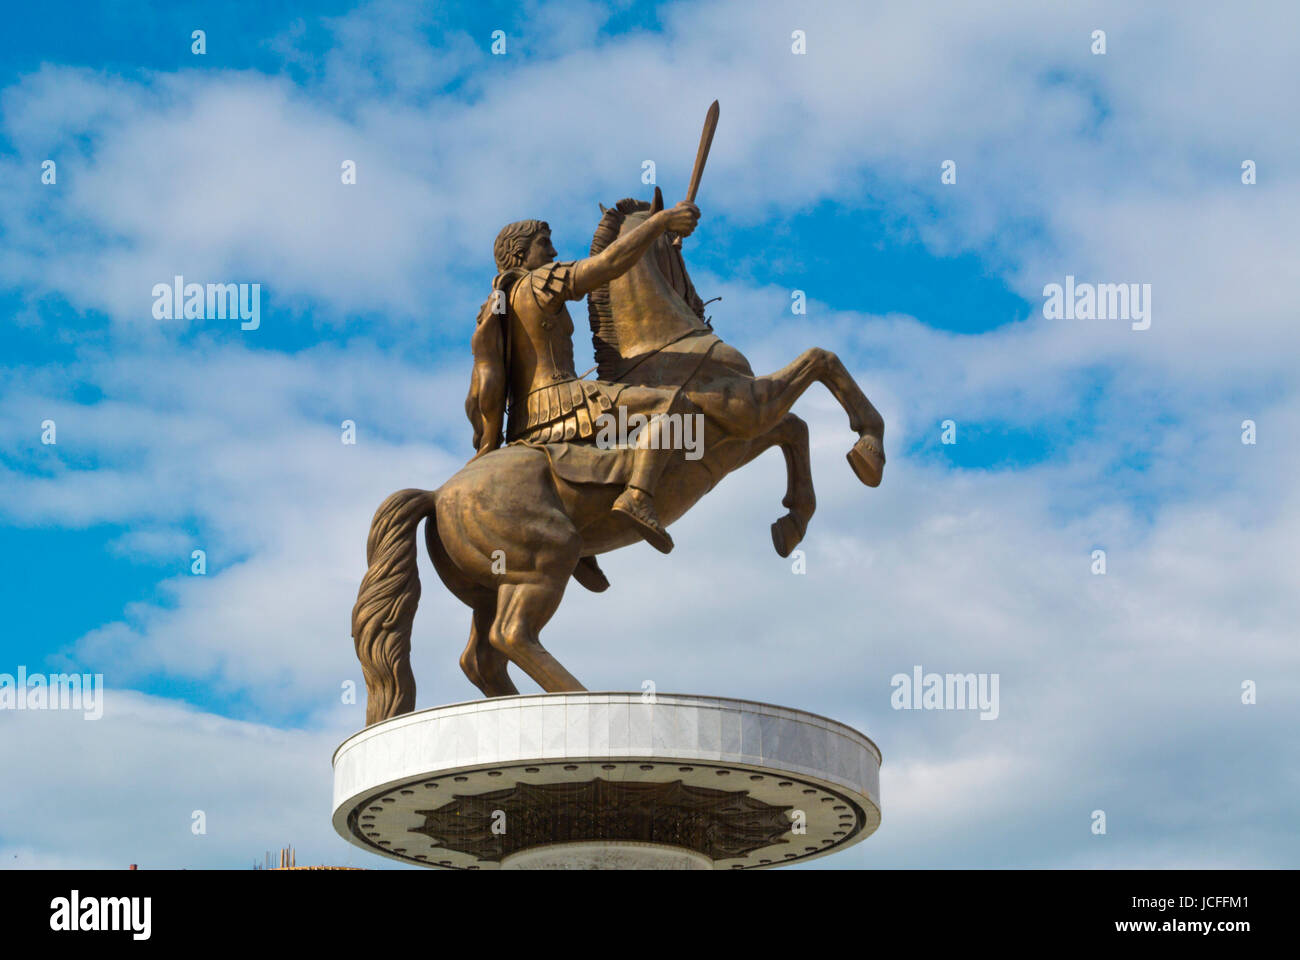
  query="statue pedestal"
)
[
  {"x": 606, "y": 781},
  {"x": 606, "y": 855}
]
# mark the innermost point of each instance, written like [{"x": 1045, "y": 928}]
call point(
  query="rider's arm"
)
[
  {"x": 486, "y": 404},
  {"x": 616, "y": 259}
]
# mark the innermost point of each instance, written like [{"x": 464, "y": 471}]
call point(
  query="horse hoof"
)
[
  {"x": 786, "y": 535},
  {"x": 589, "y": 574},
  {"x": 867, "y": 458}
]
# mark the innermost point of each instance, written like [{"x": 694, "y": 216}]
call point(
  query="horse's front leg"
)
[
  {"x": 791, "y": 435},
  {"x": 774, "y": 395}
]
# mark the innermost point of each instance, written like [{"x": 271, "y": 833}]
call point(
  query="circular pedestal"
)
[
  {"x": 606, "y": 780},
  {"x": 607, "y": 855}
]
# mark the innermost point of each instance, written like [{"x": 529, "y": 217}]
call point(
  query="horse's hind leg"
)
[
  {"x": 791, "y": 434},
  {"x": 522, "y": 610},
  {"x": 483, "y": 664}
]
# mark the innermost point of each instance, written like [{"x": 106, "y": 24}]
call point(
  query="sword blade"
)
[{"x": 701, "y": 155}]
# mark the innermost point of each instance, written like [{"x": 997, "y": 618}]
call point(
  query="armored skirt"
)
[{"x": 561, "y": 411}]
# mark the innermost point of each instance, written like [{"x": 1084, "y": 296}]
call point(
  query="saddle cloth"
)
[{"x": 587, "y": 463}]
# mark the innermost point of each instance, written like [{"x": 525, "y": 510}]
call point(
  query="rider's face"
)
[{"x": 540, "y": 251}]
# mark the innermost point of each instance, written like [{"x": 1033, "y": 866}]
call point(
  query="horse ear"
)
[
  {"x": 659, "y": 201},
  {"x": 603, "y": 211}
]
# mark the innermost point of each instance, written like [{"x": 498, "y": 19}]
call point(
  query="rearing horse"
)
[{"x": 508, "y": 530}]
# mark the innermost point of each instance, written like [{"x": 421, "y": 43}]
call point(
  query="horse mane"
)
[{"x": 600, "y": 314}]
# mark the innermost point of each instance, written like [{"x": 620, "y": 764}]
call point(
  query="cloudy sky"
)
[{"x": 1119, "y": 692}]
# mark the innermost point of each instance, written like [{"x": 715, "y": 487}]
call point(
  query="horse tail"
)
[{"x": 386, "y": 602}]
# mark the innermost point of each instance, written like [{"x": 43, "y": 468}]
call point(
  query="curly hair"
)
[{"x": 512, "y": 242}]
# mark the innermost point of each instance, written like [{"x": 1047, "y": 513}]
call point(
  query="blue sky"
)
[{"x": 825, "y": 177}]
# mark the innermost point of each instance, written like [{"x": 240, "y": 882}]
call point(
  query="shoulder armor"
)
[{"x": 553, "y": 284}]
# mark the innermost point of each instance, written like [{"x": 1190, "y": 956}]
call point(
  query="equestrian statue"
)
[{"x": 545, "y": 492}]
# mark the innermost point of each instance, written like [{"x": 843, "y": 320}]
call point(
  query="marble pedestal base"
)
[
  {"x": 606, "y": 781},
  {"x": 606, "y": 855}
]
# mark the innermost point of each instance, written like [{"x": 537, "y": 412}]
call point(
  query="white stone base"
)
[
  {"x": 607, "y": 855},
  {"x": 564, "y": 780}
]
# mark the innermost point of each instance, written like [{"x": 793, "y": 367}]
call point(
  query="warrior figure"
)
[{"x": 523, "y": 354}]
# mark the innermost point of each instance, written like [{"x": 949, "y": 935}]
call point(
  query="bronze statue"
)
[{"x": 509, "y": 529}]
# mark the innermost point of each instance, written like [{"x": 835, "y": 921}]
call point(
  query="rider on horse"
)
[{"x": 523, "y": 353}]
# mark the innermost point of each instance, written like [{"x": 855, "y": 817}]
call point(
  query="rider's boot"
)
[
  {"x": 638, "y": 505},
  {"x": 637, "y": 501},
  {"x": 653, "y": 453}
]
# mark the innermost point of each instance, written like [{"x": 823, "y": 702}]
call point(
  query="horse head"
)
[{"x": 651, "y": 305}]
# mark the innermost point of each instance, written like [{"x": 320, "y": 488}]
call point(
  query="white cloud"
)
[
  {"x": 237, "y": 175},
  {"x": 124, "y": 789}
]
